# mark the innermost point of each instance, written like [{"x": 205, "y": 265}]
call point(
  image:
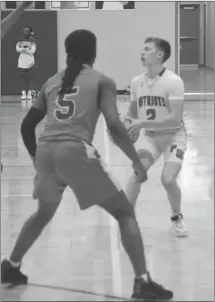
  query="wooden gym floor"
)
[{"x": 78, "y": 257}]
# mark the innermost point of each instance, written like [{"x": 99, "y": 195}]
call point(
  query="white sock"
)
[
  {"x": 23, "y": 92},
  {"x": 132, "y": 190},
  {"x": 15, "y": 264},
  {"x": 176, "y": 215},
  {"x": 144, "y": 277}
]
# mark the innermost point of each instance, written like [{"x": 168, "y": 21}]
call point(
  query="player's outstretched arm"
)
[{"x": 8, "y": 22}]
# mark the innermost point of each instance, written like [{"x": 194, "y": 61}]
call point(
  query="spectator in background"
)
[{"x": 26, "y": 47}]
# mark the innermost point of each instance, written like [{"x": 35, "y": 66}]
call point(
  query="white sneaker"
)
[
  {"x": 30, "y": 103},
  {"x": 24, "y": 103},
  {"x": 178, "y": 227},
  {"x": 29, "y": 96},
  {"x": 24, "y": 96}
]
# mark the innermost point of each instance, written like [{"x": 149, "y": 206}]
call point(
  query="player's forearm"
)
[
  {"x": 31, "y": 120},
  {"x": 8, "y": 22},
  {"x": 132, "y": 110},
  {"x": 29, "y": 138},
  {"x": 120, "y": 137},
  {"x": 170, "y": 122}
]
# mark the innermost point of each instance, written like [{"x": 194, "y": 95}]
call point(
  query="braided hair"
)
[{"x": 80, "y": 48}]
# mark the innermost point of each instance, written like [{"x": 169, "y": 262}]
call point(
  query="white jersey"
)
[
  {"x": 26, "y": 57},
  {"x": 152, "y": 96}
]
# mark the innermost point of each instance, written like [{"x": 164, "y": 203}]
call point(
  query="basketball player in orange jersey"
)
[
  {"x": 8, "y": 22},
  {"x": 72, "y": 100},
  {"x": 157, "y": 103}
]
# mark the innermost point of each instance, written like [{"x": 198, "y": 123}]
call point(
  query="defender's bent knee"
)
[
  {"x": 118, "y": 206},
  {"x": 46, "y": 210}
]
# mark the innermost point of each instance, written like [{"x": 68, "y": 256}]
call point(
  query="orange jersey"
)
[{"x": 74, "y": 114}]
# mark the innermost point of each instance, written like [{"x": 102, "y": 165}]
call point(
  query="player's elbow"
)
[
  {"x": 28, "y": 136},
  {"x": 113, "y": 124},
  {"x": 31, "y": 51},
  {"x": 27, "y": 129},
  {"x": 31, "y": 120},
  {"x": 132, "y": 111},
  {"x": 176, "y": 120}
]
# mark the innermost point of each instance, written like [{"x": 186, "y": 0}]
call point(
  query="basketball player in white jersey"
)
[{"x": 157, "y": 100}]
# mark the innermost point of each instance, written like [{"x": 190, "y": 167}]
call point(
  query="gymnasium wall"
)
[
  {"x": 120, "y": 39},
  {"x": 120, "y": 36},
  {"x": 44, "y": 24},
  {"x": 210, "y": 7}
]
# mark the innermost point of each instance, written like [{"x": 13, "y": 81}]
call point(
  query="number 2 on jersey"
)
[
  {"x": 151, "y": 114},
  {"x": 66, "y": 105}
]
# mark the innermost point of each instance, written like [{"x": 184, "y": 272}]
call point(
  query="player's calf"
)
[
  {"x": 168, "y": 179},
  {"x": 144, "y": 288},
  {"x": 33, "y": 227}
]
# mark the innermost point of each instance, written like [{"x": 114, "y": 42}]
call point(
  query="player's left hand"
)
[{"x": 134, "y": 128}]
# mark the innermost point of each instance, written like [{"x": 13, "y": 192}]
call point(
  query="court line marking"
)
[
  {"x": 115, "y": 253},
  {"x": 6, "y": 287},
  {"x": 198, "y": 93}
]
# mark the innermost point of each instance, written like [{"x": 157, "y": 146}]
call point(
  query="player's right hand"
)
[{"x": 140, "y": 172}]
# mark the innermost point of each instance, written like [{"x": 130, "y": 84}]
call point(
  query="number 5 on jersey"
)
[{"x": 66, "y": 105}]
